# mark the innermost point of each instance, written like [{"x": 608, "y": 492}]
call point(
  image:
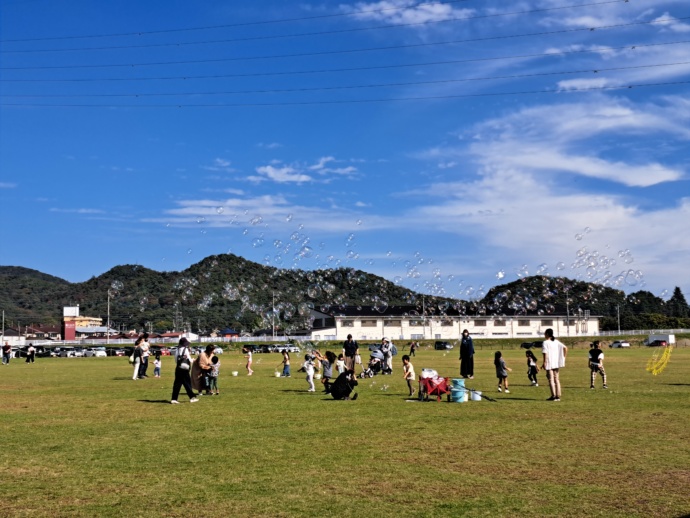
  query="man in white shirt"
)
[{"x": 554, "y": 353}]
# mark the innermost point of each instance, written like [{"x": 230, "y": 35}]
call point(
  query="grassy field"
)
[{"x": 81, "y": 438}]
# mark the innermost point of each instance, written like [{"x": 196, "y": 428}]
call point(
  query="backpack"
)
[{"x": 182, "y": 361}]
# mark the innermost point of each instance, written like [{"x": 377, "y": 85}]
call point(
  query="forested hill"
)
[{"x": 229, "y": 291}]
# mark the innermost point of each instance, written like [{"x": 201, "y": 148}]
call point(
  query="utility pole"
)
[
  {"x": 618, "y": 313},
  {"x": 273, "y": 316},
  {"x": 3, "y": 327},
  {"x": 567, "y": 313},
  {"x": 107, "y": 331}
]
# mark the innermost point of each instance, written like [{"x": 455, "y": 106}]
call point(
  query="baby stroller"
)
[{"x": 376, "y": 365}]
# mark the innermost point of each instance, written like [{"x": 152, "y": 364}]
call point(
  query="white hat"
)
[{"x": 384, "y": 339}]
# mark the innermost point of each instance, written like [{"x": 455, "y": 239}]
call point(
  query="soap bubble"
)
[
  {"x": 578, "y": 237},
  {"x": 587, "y": 230},
  {"x": 257, "y": 242},
  {"x": 560, "y": 266},
  {"x": 200, "y": 219},
  {"x": 359, "y": 222},
  {"x": 220, "y": 210},
  {"x": 288, "y": 218},
  {"x": 500, "y": 274},
  {"x": 189, "y": 250}
]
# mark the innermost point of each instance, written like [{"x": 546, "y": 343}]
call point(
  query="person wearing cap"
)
[
  {"x": 386, "y": 349},
  {"x": 350, "y": 350},
  {"x": 596, "y": 364},
  {"x": 466, "y": 355},
  {"x": 183, "y": 362}
]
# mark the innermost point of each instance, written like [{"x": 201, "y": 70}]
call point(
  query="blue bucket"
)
[
  {"x": 457, "y": 395},
  {"x": 458, "y": 382}
]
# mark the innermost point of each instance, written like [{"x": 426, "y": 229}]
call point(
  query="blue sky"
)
[{"x": 447, "y": 146}]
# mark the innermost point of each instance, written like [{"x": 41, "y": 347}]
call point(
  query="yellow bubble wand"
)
[{"x": 656, "y": 365}]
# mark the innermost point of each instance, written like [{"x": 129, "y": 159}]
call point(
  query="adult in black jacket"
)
[
  {"x": 466, "y": 355},
  {"x": 343, "y": 385}
]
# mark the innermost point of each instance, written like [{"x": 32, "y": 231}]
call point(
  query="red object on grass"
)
[{"x": 434, "y": 387}]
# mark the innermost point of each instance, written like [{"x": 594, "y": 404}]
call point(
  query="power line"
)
[
  {"x": 353, "y": 87},
  {"x": 230, "y": 25},
  {"x": 352, "y": 101},
  {"x": 318, "y": 33},
  {"x": 351, "y": 69},
  {"x": 467, "y": 40}
]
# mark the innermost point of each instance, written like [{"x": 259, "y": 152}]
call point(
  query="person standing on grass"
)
[
  {"x": 183, "y": 363},
  {"x": 466, "y": 355},
  {"x": 136, "y": 357},
  {"x": 157, "y": 366},
  {"x": 408, "y": 373},
  {"x": 596, "y": 364},
  {"x": 201, "y": 368},
  {"x": 248, "y": 355},
  {"x": 532, "y": 367},
  {"x": 144, "y": 365},
  {"x": 350, "y": 350},
  {"x": 213, "y": 376},
  {"x": 502, "y": 371},
  {"x": 554, "y": 353},
  {"x": 30, "y": 354},
  {"x": 6, "y": 353},
  {"x": 286, "y": 364},
  {"x": 413, "y": 348},
  {"x": 327, "y": 362},
  {"x": 387, "y": 356},
  {"x": 309, "y": 371}
]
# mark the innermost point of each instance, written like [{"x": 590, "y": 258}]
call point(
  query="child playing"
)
[
  {"x": 408, "y": 373},
  {"x": 327, "y": 362},
  {"x": 286, "y": 364},
  {"x": 501, "y": 372},
  {"x": 213, "y": 376},
  {"x": 532, "y": 368},
  {"x": 309, "y": 369},
  {"x": 340, "y": 364},
  {"x": 248, "y": 355},
  {"x": 157, "y": 366}
]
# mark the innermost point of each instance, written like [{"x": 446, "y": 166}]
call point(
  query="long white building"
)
[{"x": 404, "y": 323}]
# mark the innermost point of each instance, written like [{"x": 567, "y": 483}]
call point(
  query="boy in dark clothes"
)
[{"x": 343, "y": 386}]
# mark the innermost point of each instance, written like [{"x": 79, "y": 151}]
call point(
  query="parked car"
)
[
  {"x": 218, "y": 350},
  {"x": 618, "y": 344},
  {"x": 66, "y": 352},
  {"x": 78, "y": 352},
  {"x": 528, "y": 345},
  {"x": 290, "y": 348},
  {"x": 657, "y": 343},
  {"x": 119, "y": 352},
  {"x": 95, "y": 352},
  {"x": 157, "y": 349},
  {"x": 442, "y": 346},
  {"x": 266, "y": 348}
]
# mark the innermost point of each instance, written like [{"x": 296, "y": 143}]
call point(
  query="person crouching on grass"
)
[
  {"x": 343, "y": 386},
  {"x": 501, "y": 372},
  {"x": 408, "y": 373}
]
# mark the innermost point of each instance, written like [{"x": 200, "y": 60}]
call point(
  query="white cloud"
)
[
  {"x": 321, "y": 163},
  {"x": 78, "y": 211},
  {"x": 405, "y": 11},
  {"x": 269, "y": 145},
  {"x": 220, "y": 164},
  {"x": 285, "y": 174},
  {"x": 671, "y": 23},
  {"x": 7, "y": 185}
]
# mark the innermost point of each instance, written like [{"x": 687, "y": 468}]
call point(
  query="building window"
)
[
  {"x": 393, "y": 323},
  {"x": 499, "y": 334},
  {"x": 499, "y": 323},
  {"x": 523, "y": 323},
  {"x": 369, "y": 323},
  {"x": 480, "y": 323},
  {"x": 417, "y": 337},
  {"x": 547, "y": 323},
  {"x": 347, "y": 323},
  {"x": 447, "y": 323},
  {"x": 416, "y": 323},
  {"x": 568, "y": 323}
]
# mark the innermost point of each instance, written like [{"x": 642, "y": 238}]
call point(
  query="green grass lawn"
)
[{"x": 81, "y": 438}]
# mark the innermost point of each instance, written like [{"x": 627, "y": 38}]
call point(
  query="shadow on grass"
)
[
  {"x": 120, "y": 378},
  {"x": 166, "y": 401},
  {"x": 679, "y": 385}
]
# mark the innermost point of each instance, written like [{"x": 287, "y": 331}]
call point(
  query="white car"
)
[
  {"x": 618, "y": 344},
  {"x": 95, "y": 352},
  {"x": 218, "y": 350}
]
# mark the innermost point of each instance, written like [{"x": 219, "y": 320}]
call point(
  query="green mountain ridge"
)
[{"x": 229, "y": 291}]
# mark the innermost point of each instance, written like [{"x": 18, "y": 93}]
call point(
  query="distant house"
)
[
  {"x": 41, "y": 332},
  {"x": 228, "y": 333}
]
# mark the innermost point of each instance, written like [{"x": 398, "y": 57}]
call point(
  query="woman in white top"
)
[{"x": 554, "y": 353}]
